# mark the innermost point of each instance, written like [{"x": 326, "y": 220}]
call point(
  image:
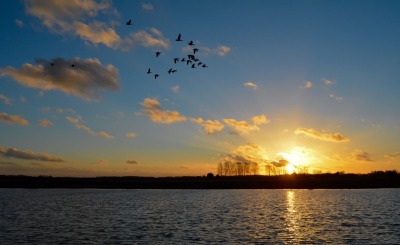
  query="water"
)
[{"x": 90, "y": 216}]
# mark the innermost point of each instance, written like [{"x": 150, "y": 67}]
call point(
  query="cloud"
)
[
  {"x": 260, "y": 119},
  {"x": 29, "y": 155},
  {"x": 158, "y": 114},
  {"x": 244, "y": 127},
  {"x": 74, "y": 120},
  {"x": 93, "y": 133},
  {"x": 251, "y": 85},
  {"x": 23, "y": 99},
  {"x": 131, "y": 135},
  {"x": 361, "y": 156},
  {"x": 247, "y": 154},
  {"x": 45, "y": 109},
  {"x": 19, "y": 23},
  {"x": 87, "y": 80},
  {"x": 309, "y": 85},
  {"x": 327, "y": 82},
  {"x": 378, "y": 126},
  {"x": 280, "y": 163},
  {"x": 8, "y": 163},
  {"x": 175, "y": 89},
  {"x": 70, "y": 110},
  {"x": 7, "y": 101},
  {"x": 335, "y": 157},
  {"x": 184, "y": 167},
  {"x": 40, "y": 94},
  {"x": 147, "y": 6},
  {"x": 209, "y": 126},
  {"x": 100, "y": 162},
  {"x": 147, "y": 40},
  {"x": 285, "y": 130},
  {"x": 45, "y": 123},
  {"x": 13, "y": 119},
  {"x": 231, "y": 132},
  {"x": 337, "y": 137},
  {"x": 134, "y": 162},
  {"x": 339, "y": 98},
  {"x": 59, "y": 110},
  {"x": 222, "y": 50},
  {"x": 393, "y": 155}
]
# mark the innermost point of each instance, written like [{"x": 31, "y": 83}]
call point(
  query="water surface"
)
[{"x": 92, "y": 216}]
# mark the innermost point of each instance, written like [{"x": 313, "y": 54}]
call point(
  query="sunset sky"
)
[{"x": 315, "y": 83}]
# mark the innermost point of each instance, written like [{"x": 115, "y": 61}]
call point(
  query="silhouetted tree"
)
[
  {"x": 210, "y": 175},
  {"x": 220, "y": 169}
]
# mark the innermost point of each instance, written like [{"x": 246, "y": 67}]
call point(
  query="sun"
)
[{"x": 290, "y": 168}]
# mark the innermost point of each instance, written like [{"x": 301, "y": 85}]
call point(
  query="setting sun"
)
[{"x": 290, "y": 168}]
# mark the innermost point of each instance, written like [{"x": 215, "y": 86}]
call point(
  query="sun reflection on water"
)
[{"x": 292, "y": 217}]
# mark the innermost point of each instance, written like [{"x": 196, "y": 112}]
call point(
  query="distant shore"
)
[{"x": 295, "y": 181}]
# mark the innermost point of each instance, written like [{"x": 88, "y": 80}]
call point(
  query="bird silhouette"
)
[
  {"x": 183, "y": 59},
  {"x": 188, "y": 61},
  {"x": 72, "y": 65},
  {"x": 204, "y": 66},
  {"x": 195, "y": 50},
  {"x": 195, "y": 60},
  {"x": 52, "y": 64},
  {"x": 155, "y": 76},
  {"x": 179, "y": 38},
  {"x": 199, "y": 63},
  {"x": 175, "y": 60},
  {"x": 148, "y": 72},
  {"x": 169, "y": 71},
  {"x": 190, "y": 56},
  {"x": 158, "y": 53},
  {"x": 191, "y": 43},
  {"x": 174, "y": 71},
  {"x": 193, "y": 66},
  {"x": 129, "y": 23}
]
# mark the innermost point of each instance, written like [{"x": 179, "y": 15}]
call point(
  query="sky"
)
[{"x": 308, "y": 83}]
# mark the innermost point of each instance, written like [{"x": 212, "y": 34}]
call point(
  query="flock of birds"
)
[{"x": 191, "y": 59}]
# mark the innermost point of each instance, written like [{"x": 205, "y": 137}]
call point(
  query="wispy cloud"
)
[
  {"x": 74, "y": 120},
  {"x": 70, "y": 110},
  {"x": 245, "y": 127},
  {"x": 59, "y": 110},
  {"x": 93, "y": 133},
  {"x": 147, "y": 6},
  {"x": 361, "y": 156},
  {"x": 40, "y": 94},
  {"x": 337, "y": 137},
  {"x": 7, "y": 101},
  {"x": 131, "y": 135},
  {"x": 19, "y": 23},
  {"x": 23, "y": 99},
  {"x": 327, "y": 82},
  {"x": 100, "y": 162},
  {"x": 393, "y": 155},
  {"x": 175, "y": 89},
  {"x": 251, "y": 85},
  {"x": 157, "y": 114},
  {"x": 184, "y": 167},
  {"x": 88, "y": 79},
  {"x": 13, "y": 119},
  {"x": 147, "y": 40},
  {"x": 221, "y": 50},
  {"x": 28, "y": 155},
  {"x": 45, "y": 123},
  {"x": 210, "y": 127},
  {"x": 134, "y": 162}
]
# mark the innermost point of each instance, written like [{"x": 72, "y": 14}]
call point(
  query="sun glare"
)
[{"x": 290, "y": 168}]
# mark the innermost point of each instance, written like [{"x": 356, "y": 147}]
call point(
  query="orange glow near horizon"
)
[{"x": 290, "y": 168}]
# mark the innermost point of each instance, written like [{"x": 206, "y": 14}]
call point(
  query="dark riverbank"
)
[{"x": 389, "y": 179}]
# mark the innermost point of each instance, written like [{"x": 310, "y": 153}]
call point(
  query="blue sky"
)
[{"x": 322, "y": 76}]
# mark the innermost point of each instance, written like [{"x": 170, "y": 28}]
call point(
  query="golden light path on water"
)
[{"x": 292, "y": 217}]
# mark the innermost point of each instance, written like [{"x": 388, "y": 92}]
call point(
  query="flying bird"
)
[
  {"x": 174, "y": 71},
  {"x": 175, "y": 60},
  {"x": 188, "y": 61},
  {"x": 193, "y": 66},
  {"x": 190, "y": 56},
  {"x": 199, "y": 63},
  {"x": 155, "y": 76},
  {"x": 72, "y": 65},
  {"x": 148, "y": 72},
  {"x": 195, "y": 50},
  {"x": 183, "y": 59},
  {"x": 169, "y": 71},
  {"x": 179, "y": 38},
  {"x": 204, "y": 66},
  {"x": 52, "y": 64},
  {"x": 129, "y": 23},
  {"x": 158, "y": 53},
  {"x": 195, "y": 60},
  {"x": 191, "y": 43}
]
